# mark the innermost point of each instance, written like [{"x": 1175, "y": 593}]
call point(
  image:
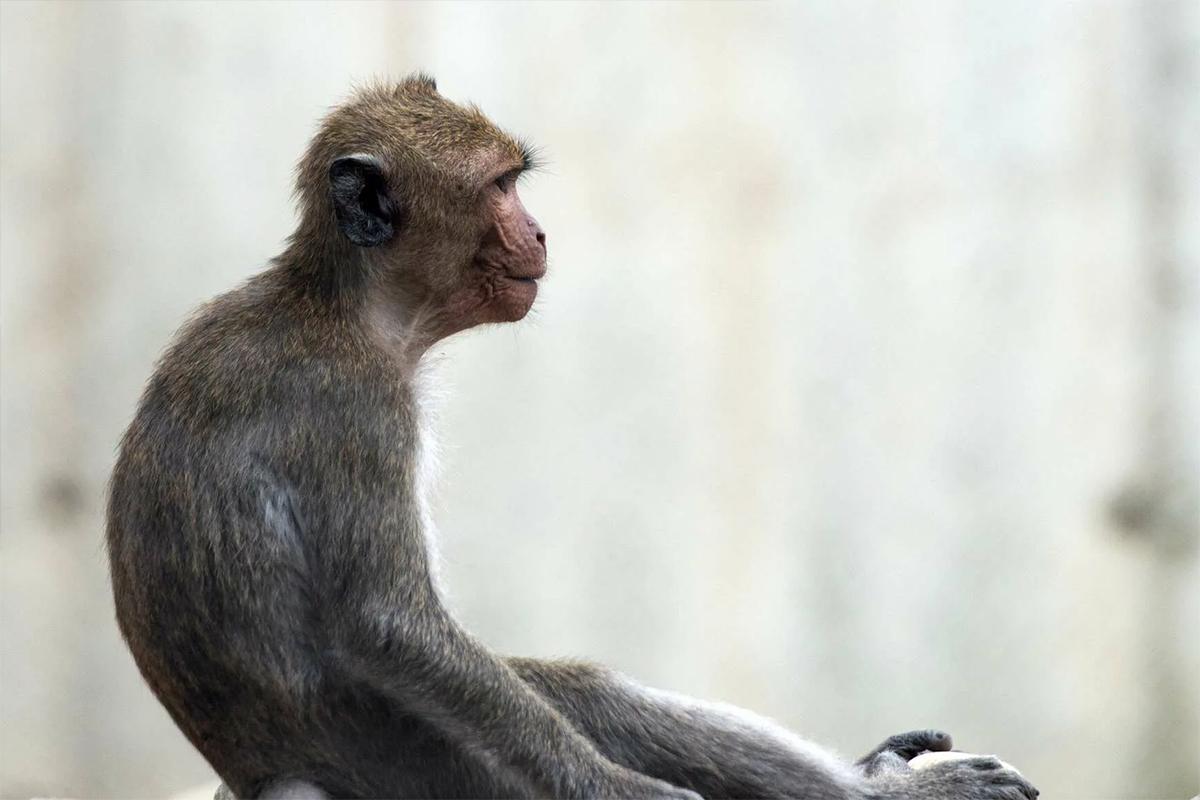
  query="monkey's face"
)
[
  {"x": 500, "y": 283},
  {"x": 474, "y": 256},
  {"x": 436, "y": 203}
]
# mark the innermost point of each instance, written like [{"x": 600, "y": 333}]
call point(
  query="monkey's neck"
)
[
  {"x": 400, "y": 327},
  {"x": 334, "y": 281},
  {"x": 320, "y": 266}
]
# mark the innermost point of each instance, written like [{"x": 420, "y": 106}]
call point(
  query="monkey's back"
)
[{"x": 215, "y": 586}]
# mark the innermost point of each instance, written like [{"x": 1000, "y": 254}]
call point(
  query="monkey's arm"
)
[
  {"x": 390, "y": 631},
  {"x": 432, "y": 667},
  {"x": 716, "y": 750},
  {"x": 721, "y": 751}
]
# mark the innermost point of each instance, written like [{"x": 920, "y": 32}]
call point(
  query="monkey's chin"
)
[{"x": 515, "y": 299}]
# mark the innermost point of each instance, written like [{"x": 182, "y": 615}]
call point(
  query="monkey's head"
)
[{"x": 414, "y": 196}]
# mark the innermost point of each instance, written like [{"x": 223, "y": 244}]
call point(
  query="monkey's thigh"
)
[{"x": 376, "y": 749}]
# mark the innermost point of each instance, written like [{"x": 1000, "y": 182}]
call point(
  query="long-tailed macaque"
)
[{"x": 268, "y": 524}]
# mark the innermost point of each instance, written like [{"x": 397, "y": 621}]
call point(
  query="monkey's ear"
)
[{"x": 364, "y": 207}]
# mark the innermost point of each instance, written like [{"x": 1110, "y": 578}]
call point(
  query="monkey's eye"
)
[{"x": 506, "y": 181}]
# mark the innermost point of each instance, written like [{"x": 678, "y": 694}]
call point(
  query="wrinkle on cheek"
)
[
  {"x": 488, "y": 259},
  {"x": 502, "y": 234},
  {"x": 497, "y": 249}
]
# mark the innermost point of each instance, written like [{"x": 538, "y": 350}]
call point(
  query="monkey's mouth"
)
[{"x": 527, "y": 277}]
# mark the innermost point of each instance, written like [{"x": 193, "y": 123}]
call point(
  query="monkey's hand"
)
[
  {"x": 970, "y": 778},
  {"x": 896, "y": 751}
]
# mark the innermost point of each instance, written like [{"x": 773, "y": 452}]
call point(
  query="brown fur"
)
[{"x": 266, "y": 530}]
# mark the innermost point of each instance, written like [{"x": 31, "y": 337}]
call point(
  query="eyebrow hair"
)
[{"x": 530, "y": 156}]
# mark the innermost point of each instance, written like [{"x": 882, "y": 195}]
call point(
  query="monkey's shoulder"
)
[
  {"x": 246, "y": 353},
  {"x": 247, "y": 380}
]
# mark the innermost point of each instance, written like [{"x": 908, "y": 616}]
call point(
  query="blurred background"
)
[{"x": 863, "y": 392}]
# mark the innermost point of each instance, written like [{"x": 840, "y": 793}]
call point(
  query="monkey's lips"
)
[
  {"x": 532, "y": 273},
  {"x": 526, "y": 281}
]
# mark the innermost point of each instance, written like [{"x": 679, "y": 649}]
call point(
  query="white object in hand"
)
[{"x": 930, "y": 758}]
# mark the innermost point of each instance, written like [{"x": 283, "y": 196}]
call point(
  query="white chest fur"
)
[{"x": 424, "y": 474}]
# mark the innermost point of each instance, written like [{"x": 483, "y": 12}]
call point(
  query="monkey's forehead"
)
[{"x": 411, "y": 116}]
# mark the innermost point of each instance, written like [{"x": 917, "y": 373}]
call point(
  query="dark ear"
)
[{"x": 365, "y": 210}]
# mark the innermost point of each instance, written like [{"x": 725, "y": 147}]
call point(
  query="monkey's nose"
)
[{"x": 538, "y": 233}]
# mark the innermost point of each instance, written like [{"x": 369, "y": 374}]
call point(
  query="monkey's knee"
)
[
  {"x": 286, "y": 789},
  {"x": 292, "y": 789}
]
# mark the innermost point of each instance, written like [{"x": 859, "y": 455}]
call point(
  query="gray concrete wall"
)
[{"x": 864, "y": 391}]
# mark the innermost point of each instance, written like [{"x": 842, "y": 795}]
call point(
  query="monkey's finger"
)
[{"x": 911, "y": 744}]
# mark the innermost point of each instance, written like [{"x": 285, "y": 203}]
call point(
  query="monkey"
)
[{"x": 269, "y": 530}]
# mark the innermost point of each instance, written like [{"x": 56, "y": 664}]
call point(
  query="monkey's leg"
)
[{"x": 716, "y": 750}]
